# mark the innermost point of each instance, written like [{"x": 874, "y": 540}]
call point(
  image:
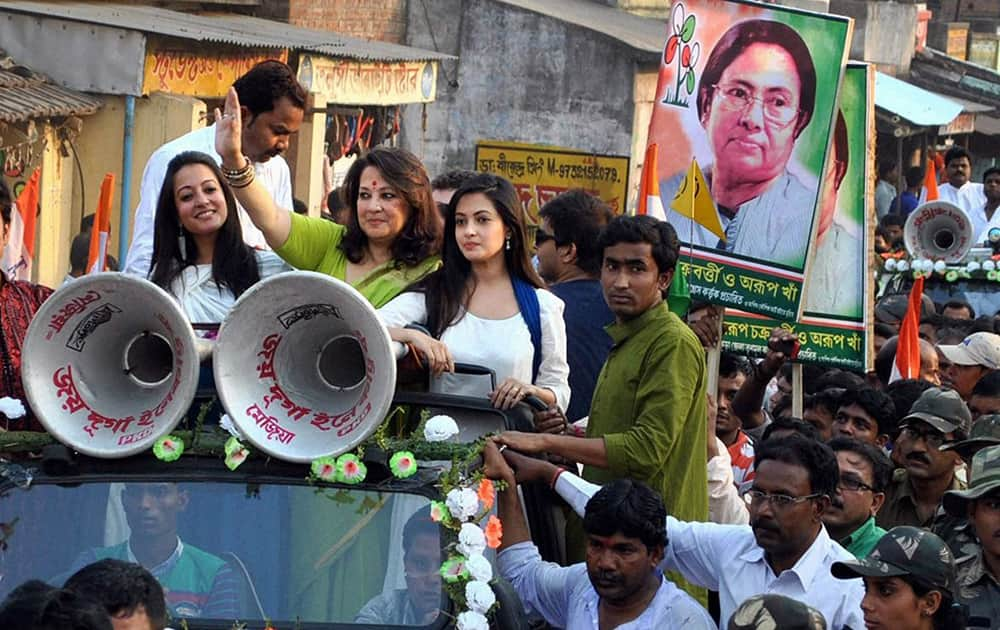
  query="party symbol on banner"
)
[
  {"x": 678, "y": 46},
  {"x": 694, "y": 201}
]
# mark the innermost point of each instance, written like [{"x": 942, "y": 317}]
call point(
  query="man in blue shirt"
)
[
  {"x": 909, "y": 199},
  {"x": 569, "y": 260},
  {"x": 620, "y": 585}
]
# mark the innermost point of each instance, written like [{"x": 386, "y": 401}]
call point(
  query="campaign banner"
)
[
  {"x": 835, "y": 325},
  {"x": 540, "y": 173},
  {"x": 747, "y": 96}
]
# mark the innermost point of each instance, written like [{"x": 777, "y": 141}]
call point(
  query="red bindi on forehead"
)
[{"x": 374, "y": 184}]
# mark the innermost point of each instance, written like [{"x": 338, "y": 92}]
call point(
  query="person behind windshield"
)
[
  {"x": 487, "y": 305},
  {"x": 130, "y": 593},
  {"x": 196, "y": 583},
  {"x": 35, "y": 605},
  {"x": 417, "y": 604},
  {"x": 909, "y": 582},
  {"x": 199, "y": 256},
  {"x": 392, "y": 238}
]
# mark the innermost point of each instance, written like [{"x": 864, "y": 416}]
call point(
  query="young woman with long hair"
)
[
  {"x": 487, "y": 305},
  {"x": 393, "y": 234},
  {"x": 199, "y": 255}
]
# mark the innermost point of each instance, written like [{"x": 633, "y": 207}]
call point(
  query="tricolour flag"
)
[
  {"x": 649, "y": 188},
  {"x": 20, "y": 250},
  {"x": 907, "y": 362},
  {"x": 97, "y": 261},
  {"x": 929, "y": 192}
]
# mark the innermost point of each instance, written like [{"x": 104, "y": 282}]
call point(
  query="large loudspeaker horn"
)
[
  {"x": 110, "y": 364},
  {"x": 938, "y": 230},
  {"x": 304, "y": 367}
]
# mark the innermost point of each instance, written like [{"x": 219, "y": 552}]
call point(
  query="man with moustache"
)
[
  {"x": 756, "y": 96},
  {"x": 273, "y": 106},
  {"x": 865, "y": 472},
  {"x": 962, "y": 192},
  {"x": 937, "y": 418},
  {"x": 619, "y": 586},
  {"x": 978, "y": 567},
  {"x": 785, "y": 550}
]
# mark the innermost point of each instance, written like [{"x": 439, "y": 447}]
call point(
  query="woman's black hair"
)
[
  {"x": 447, "y": 289},
  {"x": 234, "y": 265},
  {"x": 421, "y": 234},
  {"x": 950, "y": 614}
]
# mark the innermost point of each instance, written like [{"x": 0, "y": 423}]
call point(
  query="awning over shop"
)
[
  {"x": 199, "y": 55},
  {"x": 914, "y": 104},
  {"x": 26, "y": 95},
  {"x": 647, "y": 35}
]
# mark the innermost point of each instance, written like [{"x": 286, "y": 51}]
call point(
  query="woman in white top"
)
[
  {"x": 199, "y": 255},
  {"x": 486, "y": 305}
]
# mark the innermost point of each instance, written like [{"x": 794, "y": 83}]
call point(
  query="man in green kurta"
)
[{"x": 648, "y": 417}]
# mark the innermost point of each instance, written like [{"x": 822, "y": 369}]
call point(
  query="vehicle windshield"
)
[{"x": 237, "y": 551}]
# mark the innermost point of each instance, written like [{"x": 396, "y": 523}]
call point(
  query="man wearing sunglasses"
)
[
  {"x": 937, "y": 418},
  {"x": 865, "y": 472}
]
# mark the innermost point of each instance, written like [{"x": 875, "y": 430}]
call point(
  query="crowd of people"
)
[{"x": 688, "y": 506}]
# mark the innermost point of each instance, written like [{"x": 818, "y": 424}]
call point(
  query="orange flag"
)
[
  {"x": 97, "y": 261},
  {"x": 27, "y": 205},
  {"x": 649, "y": 188},
  {"x": 930, "y": 182},
  {"x": 907, "y": 363}
]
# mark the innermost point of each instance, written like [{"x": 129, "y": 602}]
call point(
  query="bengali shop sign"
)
[
  {"x": 749, "y": 92},
  {"x": 540, "y": 172},
  {"x": 351, "y": 82},
  {"x": 202, "y": 74}
]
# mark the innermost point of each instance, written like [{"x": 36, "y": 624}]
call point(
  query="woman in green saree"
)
[{"x": 394, "y": 234}]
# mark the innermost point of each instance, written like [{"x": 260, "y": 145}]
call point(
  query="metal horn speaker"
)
[
  {"x": 110, "y": 364},
  {"x": 304, "y": 366},
  {"x": 938, "y": 230}
]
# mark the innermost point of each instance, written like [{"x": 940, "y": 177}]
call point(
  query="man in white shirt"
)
[
  {"x": 619, "y": 586},
  {"x": 965, "y": 194},
  {"x": 272, "y": 106},
  {"x": 885, "y": 190},
  {"x": 991, "y": 190},
  {"x": 785, "y": 549}
]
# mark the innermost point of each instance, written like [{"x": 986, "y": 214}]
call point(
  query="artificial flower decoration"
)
[
  {"x": 940, "y": 266},
  {"x": 440, "y": 429},
  {"x": 972, "y": 266},
  {"x": 463, "y": 503},
  {"x": 403, "y": 464},
  {"x": 453, "y": 569},
  {"x": 471, "y": 620},
  {"x": 890, "y": 264},
  {"x": 11, "y": 407},
  {"x": 486, "y": 493},
  {"x": 989, "y": 265},
  {"x": 236, "y": 453},
  {"x": 951, "y": 276},
  {"x": 439, "y": 512},
  {"x": 168, "y": 448},
  {"x": 350, "y": 469},
  {"x": 494, "y": 532},
  {"x": 471, "y": 540},
  {"x": 479, "y": 596},
  {"x": 325, "y": 469},
  {"x": 902, "y": 265},
  {"x": 479, "y": 568}
]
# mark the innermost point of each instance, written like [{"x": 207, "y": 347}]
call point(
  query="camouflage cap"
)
[
  {"x": 905, "y": 550},
  {"x": 943, "y": 409},
  {"x": 775, "y": 611},
  {"x": 985, "y": 432},
  {"x": 984, "y": 478}
]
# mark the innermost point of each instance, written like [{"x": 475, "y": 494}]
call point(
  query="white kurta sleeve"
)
[
  {"x": 140, "y": 251},
  {"x": 553, "y": 373},
  {"x": 724, "y": 503},
  {"x": 405, "y": 308}
]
